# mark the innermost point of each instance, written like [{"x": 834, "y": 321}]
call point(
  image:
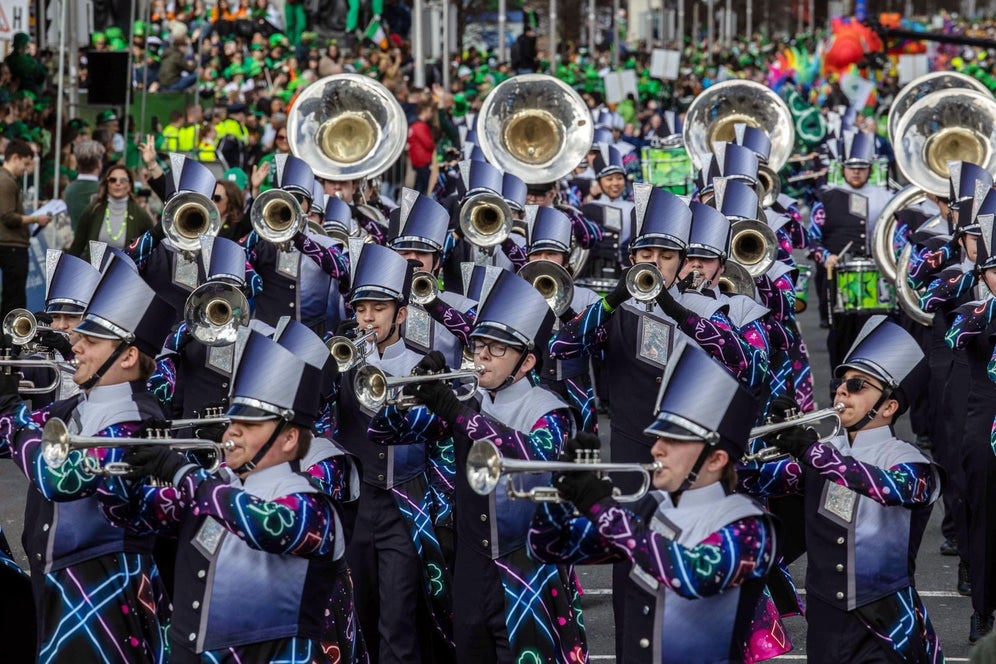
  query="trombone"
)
[
  {"x": 644, "y": 283},
  {"x": 486, "y": 467},
  {"x": 772, "y": 453},
  {"x": 187, "y": 216},
  {"x": 22, "y": 326},
  {"x": 374, "y": 389},
  {"x": 425, "y": 288},
  {"x": 486, "y": 220},
  {"x": 754, "y": 246},
  {"x": 348, "y": 353},
  {"x": 57, "y": 443},
  {"x": 214, "y": 312}
]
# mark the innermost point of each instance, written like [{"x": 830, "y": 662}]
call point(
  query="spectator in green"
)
[
  {"x": 80, "y": 192},
  {"x": 295, "y": 20}
]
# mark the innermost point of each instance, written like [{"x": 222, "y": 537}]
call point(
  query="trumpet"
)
[
  {"x": 214, "y": 415},
  {"x": 57, "y": 443},
  {"x": 486, "y": 467},
  {"x": 486, "y": 220},
  {"x": 425, "y": 288},
  {"x": 22, "y": 326},
  {"x": 348, "y": 353},
  {"x": 374, "y": 389},
  {"x": 772, "y": 453},
  {"x": 277, "y": 217},
  {"x": 187, "y": 216},
  {"x": 27, "y": 387},
  {"x": 644, "y": 283},
  {"x": 214, "y": 312},
  {"x": 754, "y": 246},
  {"x": 552, "y": 281}
]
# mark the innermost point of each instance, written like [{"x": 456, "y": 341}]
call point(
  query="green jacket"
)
[
  {"x": 88, "y": 229},
  {"x": 78, "y": 196}
]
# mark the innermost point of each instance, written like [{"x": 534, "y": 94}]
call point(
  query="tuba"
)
[
  {"x": 186, "y": 216},
  {"x": 881, "y": 246},
  {"x": 277, "y": 216},
  {"x": 214, "y": 312},
  {"x": 920, "y": 87},
  {"x": 552, "y": 281},
  {"x": 713, "y": 113},
  {"x": 347, "y": 127}
]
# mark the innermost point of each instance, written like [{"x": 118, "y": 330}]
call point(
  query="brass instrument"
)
[
  {"x": 58, "y": 443},
  {"x": 7, "y": 364},
  {"x": 644, "y": 283},
  {"x": 920, "y": 87},
  {"x": 908, "y": 298},
  {"x": 486, "y": 467},
  {"x": 349, "y": 353},
  {"x": 425, "y": 288},
  {"x": 771, "y": 184},
  {"x": 754, "y": 246},
  {"x": 766, "y": 454},
  {"x": 214, "y": 312},
  {"x": 214, "y": 415},
  {"x": 277, "y": 217},
  {"x": 881, "y": 246},
  {"x": 486, "y": 220},
  {"x": 187, "y": 216},
  {"x": 22, "y": 326},
  {"x": 375, "y": 389},
  {"x": 552, "y": 281},
  {"x": 347, "y": 127},
  {"x": 736, "y": 280},
  {"x": 717, "y": 109}
]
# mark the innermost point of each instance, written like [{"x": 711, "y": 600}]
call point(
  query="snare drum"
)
[
  {"x": 861, "y": 288},
  {"x": 668, "y": 168},
  {"x": 802, "y": 288}
]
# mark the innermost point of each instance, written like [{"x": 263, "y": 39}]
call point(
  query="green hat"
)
[
  {"x": 238, "y": 176},
  {"x": 114, "y": 32},
  {"x": 277, "y": 39},
  {"x": 139, "y": 29},
  {"x": 21, "y": 39},
  {"x": 256, "y": 47},
  {"x": 78, "y": 123},
  {"x": 308, "y": 36},
  {"x": 459, "y": 105},
  {"x": 98, "y": 36},
  {"x": 107, "y": 115}
]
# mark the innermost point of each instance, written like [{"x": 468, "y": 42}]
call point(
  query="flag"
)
[{"x": 375, "y": 32}]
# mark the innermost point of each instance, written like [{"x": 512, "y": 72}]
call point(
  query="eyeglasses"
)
[
  {"x": 217, "y": 198},
  {"x": 495, "y": 348},
  {"x": 852, "y": 385},
  {"x": 117, "y": 180}
]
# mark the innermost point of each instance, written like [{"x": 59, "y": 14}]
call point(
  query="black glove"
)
[
  {"x": 158, "y": 233},
  {"x": 347, "y": 328},
  {"x": 438, "y": 397},
  {"x": 415, "y": 265},
  {"x": 781, "y": 407},
  {"x": 796, "y": 440},
  {"x": 583, "y": 446},
  {"x": 157, "y": 461},
  {"x": 43, "y": 318},
  {"x": 583, "y": 488},
  {"x": 432, "y": 363},
  {"x": 569, "y": 314},
  {"x": 620, "y": 293},
  {"x": 56, "y": 341},
  {"x": 670, "y": 306},
  {"x": 687, "y": 282}
]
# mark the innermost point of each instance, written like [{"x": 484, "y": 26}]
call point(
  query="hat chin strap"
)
[
  {"x": 511, "y": 377},
  {"x": 92, "y": 381},
  {"x": 250, "y": 465},
  {"x": 871, "y": 414},
  {"x": 693, "y": 475}
]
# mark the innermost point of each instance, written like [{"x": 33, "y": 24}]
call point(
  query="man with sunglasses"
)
[{"x": 868, "y": 498}]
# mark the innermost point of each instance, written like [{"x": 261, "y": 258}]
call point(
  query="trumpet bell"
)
[
  {"x": 485, "y": 219},
  {"x": 21, "y": 325},
  {"x": 945, "y": 125},
  {"x": 754, "y": 246},
  {"x": 277, "y": 217},
  {"x": 736, "y": 280},
  {"x": 214, "y": 312},
  {"x": 483, "y": 467},
  {"x": 425, "y": 288},
  {"x": 552, "y": 281},
  {"x": 919, "y": 88},
  {"x": 535, "y": 126},
  {"x": 347, "y": 352},
  {"x": 713, "y": 113},
  {"x": 187, "y": 216},
  {"x": 644, "y": 282},
  {"x": 347, "y": 127}
]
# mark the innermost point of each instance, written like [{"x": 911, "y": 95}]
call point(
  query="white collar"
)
[
  {"x": 106, "y": 394},
  {"x": 88, "y": 177}
]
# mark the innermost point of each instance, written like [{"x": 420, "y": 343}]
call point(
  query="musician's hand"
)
[
  {"x": 584, "y": 445},
  {"x": 347, "y": 328},
  {"x": 670, "y": 306},
  {"x": 56, "y": 341},
  {"x": 438, "y": 396},
  {"x": 159, "y": 461},
  {"x": 432, "y": 363},
  {"x": 687, "y": 282},
  {"x": 795, "y": 440},
  {"x": 831, "y": 262},
  {"x": 583, "y": 488},
  {"x": 620, "y": 293},
  {"x": 780, "y": 408}
]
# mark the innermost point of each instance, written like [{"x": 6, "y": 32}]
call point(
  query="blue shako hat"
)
[
  {"x": 985, "y": 258},
  {"x": 886, "y": 351},
  {"x": 964, "y": 180},
  {"x": 660, "y": 219},
  {"x": 724, "y": 419},
  {"x": 124, "y": 307},
  {"x": 337, "y": 214},
  {"x": 101, "y": 254},
  {"x": 70, "y": 282},
  {"x": 419, "y": 223},
  {"x": 471, "y": 151},
  {"x": 189, "y": 175},
  {"x": 601, "y": 135},
  {"x": 318, "y": 198},
  {"x": 607, "y": 161},
  {"x": 753, "y": 138},
  {"x": 513, "y": 190},
  {"x": 478, "y": 279},
  {"x": 478, "y": 176},
  {"x": 261, "y": 393},
  {"x": 301, "y": 340},
  {"x": 380, "y": 273},
  {"x": 733, "y": 161},
  {"x": 548, "y": 229},
  {"x": 294, "y": 175},
  {"x": 514, "y": 312},
  {"x": 972, "y": 208},
  {"x": 857, "y": 149},
  {"x": 735, "y": 199},
  {"x": 711, "y": 232},
  {"x": 223, "y": 260}
]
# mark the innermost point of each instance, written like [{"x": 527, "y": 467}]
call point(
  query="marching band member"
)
[
  {"x": 396, "y": 557},
  {"x": 260, "y": 520},
  {"x": 868, "y": 498},
  {"x": 348, "y": 191},
  {"x": 96, "y": 587},
  {"x": 505, "y": 605},
  {"x": 587, "y": 234},
  {"x": 846, "y": 215},
  {"x": 611, "y": 177},
  {"x": 676, "y": 609}
]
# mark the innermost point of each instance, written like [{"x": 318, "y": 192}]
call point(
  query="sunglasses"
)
[
  {"x": 117, "y": 180},
  {"x": 217, "y": 198},
  {"x": 281, "y": 137},
  {"x": 852, "y": 385}
]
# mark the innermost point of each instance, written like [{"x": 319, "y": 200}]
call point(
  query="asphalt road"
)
[{"x": 936, "y": 574}]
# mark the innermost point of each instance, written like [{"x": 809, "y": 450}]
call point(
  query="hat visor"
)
[
  {"x": 611, "y": 170},
  {"x": 663, "y": 428},
  {"x": 373, "y": 294},
  {"x": 547, "y": 245},
  {"x": 486, "y": 331},
  {"x": 703, "y": 252},
  {"x": 247, "y": 413},
  {"x": 654, "y": 241},
  {"x": 91, "y": 328},
  {"x": 66, "y": 308},
  {"x": 414, "y": 245},
  {"x": 857, "y": 163},
  {"x": 864, "y": 367}
]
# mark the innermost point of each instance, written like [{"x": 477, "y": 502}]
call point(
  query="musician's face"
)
[
  {"x": 379, "y": 316},
  {"x": 497, "y": 360},
  {"x": 613, "y": 184},
  {"x": 248, "y": 438},
  {"x": 667, "y": 261},
  {"x": 989, "y": 277},
  {"x": 708, "y": 268},
  {"x": 859, "y": 402},
  {"x": 678, "y": 457},
  {"x": 544, "y": 199},
  {"x": 558, "y": 257},
  {"x": 857, "y": 177},
  {"x": 971, "y": 245},
  {"x": 344, "y": 190},
  {"x": 92, "y": 352},
  {"x": 65, "y": 322}
]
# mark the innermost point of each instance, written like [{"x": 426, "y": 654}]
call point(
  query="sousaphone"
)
[{"x": 927, "y": 84}]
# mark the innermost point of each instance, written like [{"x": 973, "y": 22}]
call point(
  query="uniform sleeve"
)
[
  {"x": 558, "y": 536},
  {"x": 141, "y": 248},
  {"x": 142, "y": 509},
  {"x": 543, "y": 442},
  {"x": 393, "y": 426},
  {"x": 162, "y": 382},
  {"x": 782, "y": 477},
  {"x": 737, "y": 552},
  {"x": 970, "y": 322},
  {"x": 299, "y": 524},
  {"x": 331, "y": 476},
  {"x": 584, "y": 335},
  {"x": 716, "y": 336},
  {"x": 586, "y": 232},
  {"x": 925, "y": 263},
  {"x": 947, "y": 287},
  {"x": 817, "y": 219},
  {"x": 329, "y": 259},
  {"x": 460, "y": 324},
  {"x": 515, "y": 254},
  {"x": 254, "y": 283}
]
